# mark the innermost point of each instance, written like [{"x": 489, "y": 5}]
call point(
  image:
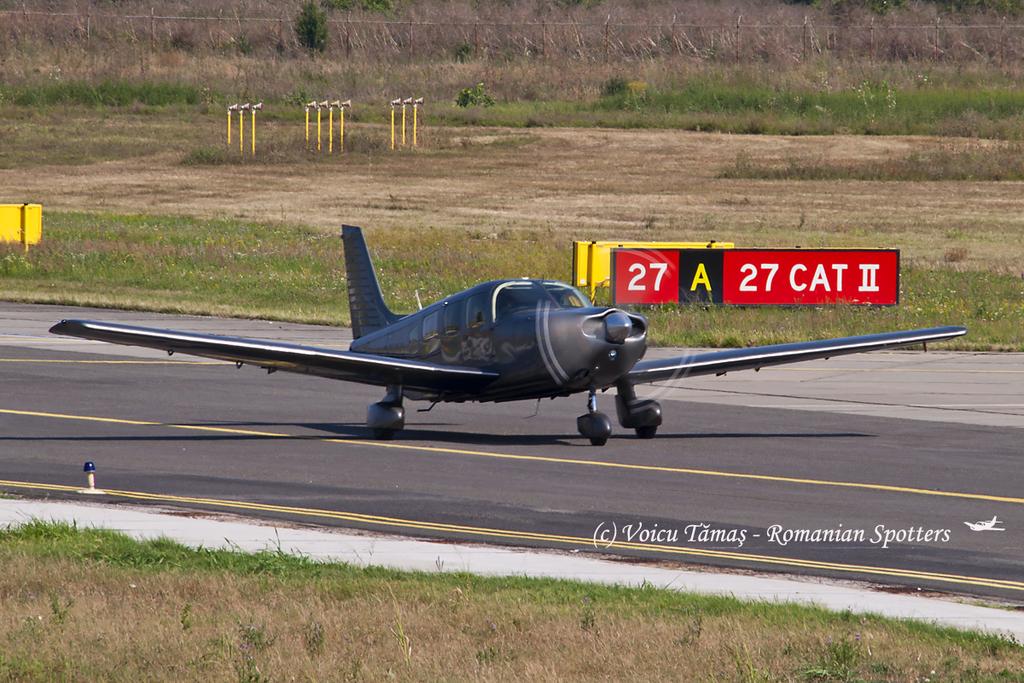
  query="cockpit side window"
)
[{"x": 512, "y": 297}]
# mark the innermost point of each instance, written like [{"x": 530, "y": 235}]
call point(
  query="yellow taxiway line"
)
[
  {"x": 614, "y": 465},
  {"x": 490, "y": 532}
]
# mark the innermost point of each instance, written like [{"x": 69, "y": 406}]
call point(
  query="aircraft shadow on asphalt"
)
[{"x": 358, "y": 431}]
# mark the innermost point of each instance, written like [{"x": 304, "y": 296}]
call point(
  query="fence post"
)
[
  {"x": 736, "y": 38},
  {"x": 152, "y": 27},
  {"x": 348, "y": 37},
  {"x": 804, "y": 38},
  {"x": 476, "y": 40},
  {"x": 1002, "y": 40},
  {"x": 938, "y": 22},
  {"x": 871, "y": 55},
  {"x": 544, "y": 38}
]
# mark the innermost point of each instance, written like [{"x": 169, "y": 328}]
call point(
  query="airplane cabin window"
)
[
  {"x": 453, "y": 316},
  {"x": 475, "y": 315},
  {"x": 413, "y": 338},
  {"x": 432, "y": 325}
]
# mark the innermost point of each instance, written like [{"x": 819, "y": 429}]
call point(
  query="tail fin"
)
[{"x": 365, "y": 301}]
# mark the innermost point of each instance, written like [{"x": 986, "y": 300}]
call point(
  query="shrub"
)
[
  {"x": 206, "y": 156},
  {"x": 616, "y": 85},
  {"x": 383, "y": 6},
  {"x": 377, "y": 5},
  {"x": 463, "y": 52},
  {"x": 311, "y": 27},
  {"x": 475, "y": 96}
]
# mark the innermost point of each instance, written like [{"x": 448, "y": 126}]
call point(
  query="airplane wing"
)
[
  {"x": 757, "y": 357},
  {"x": 271, "y": 355}
]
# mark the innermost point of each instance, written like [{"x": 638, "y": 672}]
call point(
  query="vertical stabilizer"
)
[{"x": 365, "y": 301}]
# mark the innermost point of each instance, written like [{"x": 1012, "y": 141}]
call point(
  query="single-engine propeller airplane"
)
[{"x": 505, "y": 340}]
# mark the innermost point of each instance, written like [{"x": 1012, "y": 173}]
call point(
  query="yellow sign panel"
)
[
  {"x": 591, "y": 261},
  {"x": 21, "y": 223}
]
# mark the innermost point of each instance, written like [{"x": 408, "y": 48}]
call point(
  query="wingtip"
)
[
  {"x": 67, "y": 327},
  {"x": 59, "y": 328}
]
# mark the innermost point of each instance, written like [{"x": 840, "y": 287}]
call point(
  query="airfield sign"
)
[{"x": 756, "y": 277}]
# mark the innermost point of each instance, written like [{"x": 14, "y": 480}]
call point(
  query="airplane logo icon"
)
[{"x": 985, "y": 525}]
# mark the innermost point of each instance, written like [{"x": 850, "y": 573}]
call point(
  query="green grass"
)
[
  {"x": 870, "y": 108},
  {"x": 292, "y": 272},
  {"x": 748, "y": 108},
  {"x": 94, "y": 604},
  {"x": 972, "y": 162},
  {"x": 107, "y": 93},
  {"x": 721, "y": 103}
]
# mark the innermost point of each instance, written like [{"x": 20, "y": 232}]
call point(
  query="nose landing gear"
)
[
  {"x": 642, "y": 415},
  {"x": 594, "y": 425}
]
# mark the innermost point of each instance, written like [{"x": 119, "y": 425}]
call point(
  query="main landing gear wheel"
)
[
  {"x": 594, "y": 425},
  {"x": 388, "y": 416}
]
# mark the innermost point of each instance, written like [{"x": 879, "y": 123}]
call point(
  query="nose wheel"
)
[{"x": 595, "y": 425}]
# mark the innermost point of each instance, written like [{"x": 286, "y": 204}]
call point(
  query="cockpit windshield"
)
[
  {"x": 566, "y": 296},
  {"x": 512, "y": 297}
]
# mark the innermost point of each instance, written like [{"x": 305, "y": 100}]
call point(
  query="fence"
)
[{"x": 353, "y": 37}]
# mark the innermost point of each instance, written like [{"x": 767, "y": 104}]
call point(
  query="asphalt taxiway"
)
[{"x": 750, "y": 471}]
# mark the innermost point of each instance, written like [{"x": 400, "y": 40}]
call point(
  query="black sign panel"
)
[{"x": 700, "y": 276}]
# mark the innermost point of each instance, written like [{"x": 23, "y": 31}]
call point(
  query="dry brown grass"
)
[
  {"x": 132, "y": 612},
  {"x": 974, "y": 161},
  {"x": 702, "y": 30},
  {"x": 585, "y": 184},
  {"x": 474, "y": 204}
]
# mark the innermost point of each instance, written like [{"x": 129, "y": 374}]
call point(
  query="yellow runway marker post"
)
[
  {"x": 252, "y": 132},
  {"x": 229, "y": 128},
  {"x": 342, "y": 106},
  {"x": 394, "y": 103},
  {"x": 309, "y": 105},
  {"x": 416, "y": 104},
  {"x": 241, "y": 127},
  {"x": 405, "y": 102},
  {"x": 330, "y": 125},
  {"x": 231, "y": 110},
  {"x": 319, "y": 106}
]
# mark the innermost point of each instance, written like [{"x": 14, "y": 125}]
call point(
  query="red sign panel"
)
[
  {"x": 753, "y": 277},
  {"x": 646, "y": 276},
  {"x": 806, "y": 276}
]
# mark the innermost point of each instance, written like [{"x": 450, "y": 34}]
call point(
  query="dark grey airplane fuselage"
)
[{"x": 543, "y": 351}]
